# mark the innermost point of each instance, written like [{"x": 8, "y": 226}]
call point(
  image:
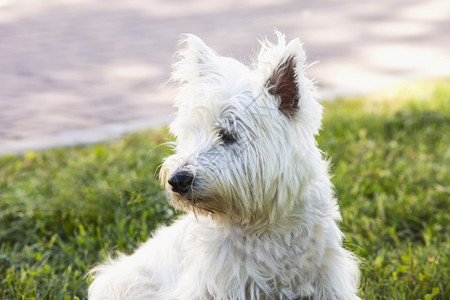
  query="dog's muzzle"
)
[{"x": 181, "y": 182}]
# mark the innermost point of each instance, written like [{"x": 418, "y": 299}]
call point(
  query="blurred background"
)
[{"x": 81, "y": 71}]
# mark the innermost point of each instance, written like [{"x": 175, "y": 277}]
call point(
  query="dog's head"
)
[{"x": 245, "y": 150}]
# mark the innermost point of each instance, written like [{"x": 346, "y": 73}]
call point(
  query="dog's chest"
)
[{"x": 264, "y": 264}]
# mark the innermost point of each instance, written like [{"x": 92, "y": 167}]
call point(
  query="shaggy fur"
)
[{"x": 261, "y": 215}]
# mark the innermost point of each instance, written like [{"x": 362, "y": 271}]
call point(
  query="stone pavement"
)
[{"x": 81, "y": 71}]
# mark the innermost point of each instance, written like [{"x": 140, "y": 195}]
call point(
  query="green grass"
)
[{"x": 63, "y": 210}]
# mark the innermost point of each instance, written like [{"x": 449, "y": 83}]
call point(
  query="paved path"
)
[{"x": 74, "y": 72}]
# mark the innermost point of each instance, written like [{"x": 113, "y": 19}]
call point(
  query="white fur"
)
[{"x": 261, "y": 223}]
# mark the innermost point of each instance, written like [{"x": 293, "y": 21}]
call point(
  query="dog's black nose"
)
[{"x": 181, "y": 182}]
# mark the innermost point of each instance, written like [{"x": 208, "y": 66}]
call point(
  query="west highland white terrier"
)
[{"x": 261, "y": 214}]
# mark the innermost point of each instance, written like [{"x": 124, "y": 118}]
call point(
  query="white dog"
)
[{"x": 261, "y": 216}]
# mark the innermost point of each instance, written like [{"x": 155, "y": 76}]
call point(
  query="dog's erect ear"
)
[
  {"x": 196, "y": 49},
  {"x": 286, "y": 63},
  {"x": 283, "y": 84},
  {"x": 194, "y": 58}
]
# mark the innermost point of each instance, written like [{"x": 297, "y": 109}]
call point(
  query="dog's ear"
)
[
  {"x": 283, "y": 85},
  {"x": 195, "y": 57},
  {"x": 286, "y": 63}
]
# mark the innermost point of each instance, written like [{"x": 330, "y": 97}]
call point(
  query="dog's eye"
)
[{"x": 226, "y": 136}]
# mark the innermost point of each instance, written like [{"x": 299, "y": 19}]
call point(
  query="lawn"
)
[{"x": 63, "y": 210}]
